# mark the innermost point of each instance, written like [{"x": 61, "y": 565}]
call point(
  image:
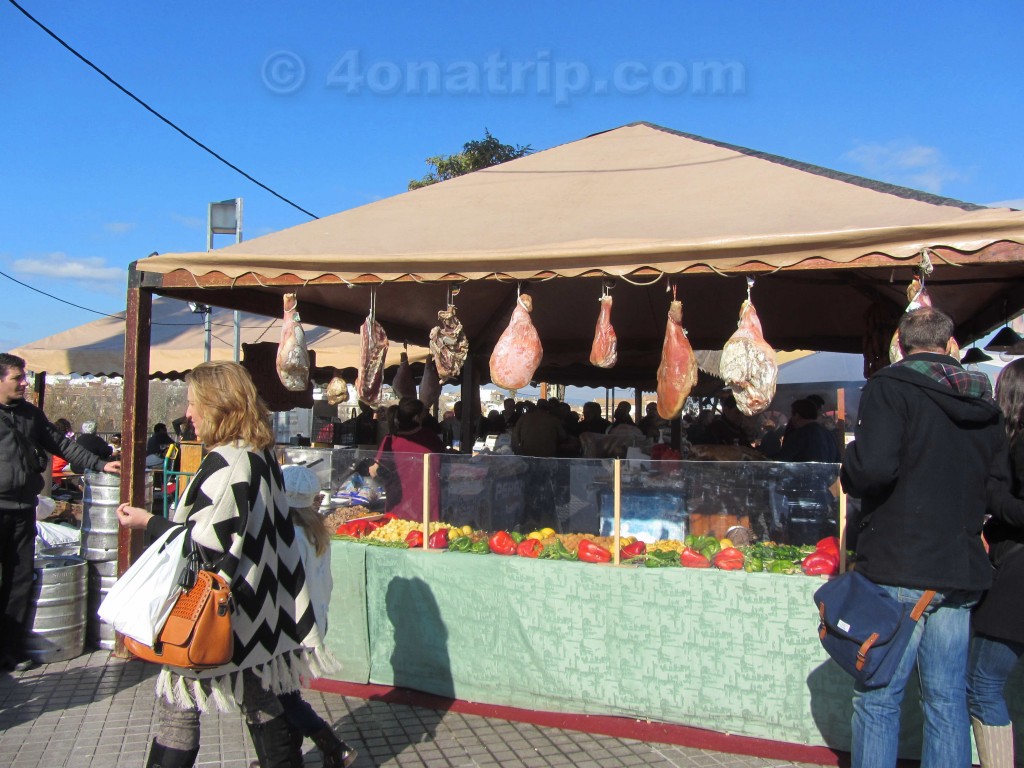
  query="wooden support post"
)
[{"x": 135, "y": 410}]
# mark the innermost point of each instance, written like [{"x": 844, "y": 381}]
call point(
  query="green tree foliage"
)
[{"x": 474, "y": 156}]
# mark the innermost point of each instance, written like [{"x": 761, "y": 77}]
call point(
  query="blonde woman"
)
[{"x": 236, "y": 511}]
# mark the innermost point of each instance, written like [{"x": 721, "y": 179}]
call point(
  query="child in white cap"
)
[{"x": 302, "y": 486}]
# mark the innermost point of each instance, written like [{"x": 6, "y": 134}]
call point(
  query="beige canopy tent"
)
[
  {"x": 178, "y": 340},
  {"x": 639, "y": 209}
]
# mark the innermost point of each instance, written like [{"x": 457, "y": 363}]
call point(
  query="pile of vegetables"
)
[{"x": 545, "y": 544}]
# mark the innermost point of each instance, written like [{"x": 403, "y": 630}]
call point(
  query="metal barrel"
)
[
  {"x": 100, "y": 498},
  {"x": 56, "y": 617},
  {"x": 101, "y": 577}
]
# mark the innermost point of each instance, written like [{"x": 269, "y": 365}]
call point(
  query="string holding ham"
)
[
  {"x": 677, "y": 372},
  {"x": 748, "y": 364},
  {"x": 518, "y": 352},
  {"x": 292, "y": 354},
  {"x": 404, "y": 384},
  {"x": 917, "y": 297},
  {"x": 448, "y": 344},
  {"x": 373, "y": 350},
  {"x": 604, "y": 351}
]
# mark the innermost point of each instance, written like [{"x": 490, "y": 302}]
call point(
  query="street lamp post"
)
[{"x": 225, "y": 218}]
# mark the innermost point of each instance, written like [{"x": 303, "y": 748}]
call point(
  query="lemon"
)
[
  {"x": 535, "y": 535},
  {"x": 545, "y": 532},
  {"x": 726, "y": 543},
  {"x": 467, "y": 530}
]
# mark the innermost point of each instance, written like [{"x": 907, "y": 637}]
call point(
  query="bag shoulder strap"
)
[{"x": 922, "y": 603}]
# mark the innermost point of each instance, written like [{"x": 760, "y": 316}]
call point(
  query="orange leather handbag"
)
[{"x": 197, "y": 634}]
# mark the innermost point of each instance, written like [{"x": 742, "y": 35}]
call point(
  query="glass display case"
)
[{"x": 788, "y": 503}]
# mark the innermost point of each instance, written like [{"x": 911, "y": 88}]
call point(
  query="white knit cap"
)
[
  {"x": 301, "y": 485},
  {"x": 89, "y": 428}
]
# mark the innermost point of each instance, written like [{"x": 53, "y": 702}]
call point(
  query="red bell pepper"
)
[
  {"x": 820, "y": 564},
  {"x": 345, "y": 529},
  {"x": 635, "y": 549},
  {"x": 729, "y": 559},
  {"x": 414, "y": 539},
  {"x": 691, "y": 558},
  {"x": 438, "y": 539},
  {"x": 359, "y": 528},
  {"x": 829, "y": 545},
  {"x": 502, "y": 544},
  {"x": 529, "y": 548},
  {"x": 589, "y": 552}
]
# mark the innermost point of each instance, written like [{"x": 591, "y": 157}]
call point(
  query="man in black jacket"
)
[
  {"x": 929, "y": 451},
  {"x": 24, "y": 430}
]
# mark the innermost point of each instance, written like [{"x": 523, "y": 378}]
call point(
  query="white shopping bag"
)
[{"x": 141, "y": 600}]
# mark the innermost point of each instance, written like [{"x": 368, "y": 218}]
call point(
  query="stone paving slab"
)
[{"x": 97, "y": 711}]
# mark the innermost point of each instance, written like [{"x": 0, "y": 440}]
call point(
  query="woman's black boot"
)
[
  {"x": 165, "y": 757},
  {"x": 337, "y": 754},
  {"x": 274, "y": 744}
]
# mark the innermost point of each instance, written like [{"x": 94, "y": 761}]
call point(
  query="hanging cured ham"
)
[
  {"x": 430, "y": 385},
  {"x": 604, "y": 352},
  {"x": 518, "y": 352},
  {"x": 917, "y": 297},
  {"x": 748, "y": 364},
  {"x": 373, "y": 349},
  {"x": 448, "y": 344},
  {"x": 336, "y": 391},
  {"x": 677, "y": 373},
  {"x": 404, "y": 384},
  {"x": 292, "y": 355}
]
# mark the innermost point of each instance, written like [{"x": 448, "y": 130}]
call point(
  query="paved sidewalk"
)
[{"x": 97, "y": 711}]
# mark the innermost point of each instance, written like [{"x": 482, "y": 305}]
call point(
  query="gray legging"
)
[{"x": 179, "y": 728}]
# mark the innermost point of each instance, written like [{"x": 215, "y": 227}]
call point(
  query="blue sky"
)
[{"x": 332, "y": 106}]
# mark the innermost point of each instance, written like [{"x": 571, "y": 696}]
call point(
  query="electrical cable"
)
[
  {"x": 118, "y": 317},
  {"x": 152, "y": 111}
]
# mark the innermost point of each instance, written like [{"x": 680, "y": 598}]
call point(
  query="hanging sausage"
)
[
  {"x": 748, "y": 363},
  {"x": 373, "y": 350},
  {"x": 292, "y": 355},
  {"x": 448, "y": 343},
  {"x": 336, "y": 391},
  {"x": 604, "y": 351},
  {"x": 430, "y": 385},
  {"x": 518, "y": 352},
  {"x": 677, "y": 372},
  {"x": 404, "y": 384},
  {"x": 917, "y": 297}
]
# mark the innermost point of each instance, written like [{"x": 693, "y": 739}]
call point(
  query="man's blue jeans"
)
[
  {"x": 992, "y": 661},
  {"x": 939, "y": 649}
]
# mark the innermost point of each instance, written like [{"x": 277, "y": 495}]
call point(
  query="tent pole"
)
[{"x": 134, "y": 418}]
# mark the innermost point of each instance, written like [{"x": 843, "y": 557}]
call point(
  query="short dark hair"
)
[
  {"x": 925, "y": 328},
  {"x": 8, "y": 361},
  {"x": 159, "y": 427},
  {"x": 805, "y": 408}
]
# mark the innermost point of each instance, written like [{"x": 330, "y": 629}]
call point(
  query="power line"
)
[
  {"x": 152, "y": 111},
  {"x": 265, "y": 327},
  {"x": 57, "y": 298}
]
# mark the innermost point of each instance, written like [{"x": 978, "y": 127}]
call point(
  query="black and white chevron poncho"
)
[{"x": 236, "y": 510}]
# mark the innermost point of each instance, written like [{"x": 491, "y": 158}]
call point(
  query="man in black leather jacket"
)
[{"x": 22, "y": 469}]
